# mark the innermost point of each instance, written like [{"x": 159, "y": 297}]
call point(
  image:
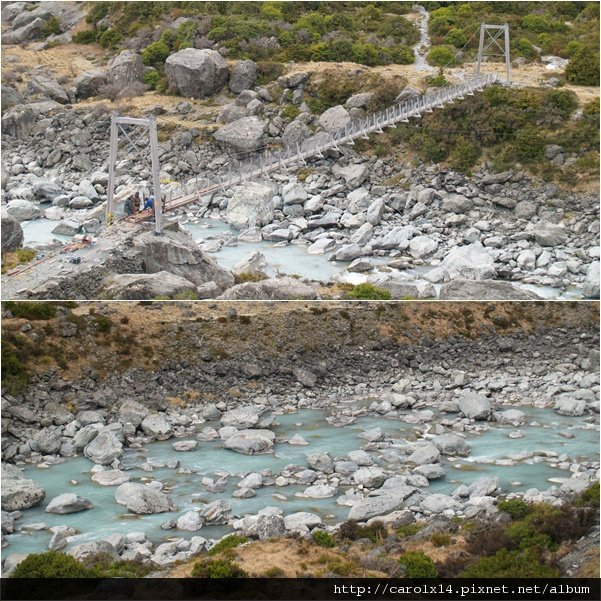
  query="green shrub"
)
[
  {"x": 456, "y": 37},
  {"x": 52, "y": 27},
  {"x": 409, "y": 529},
  {"x": 155, "y": 54},
  {"x": 26, "y": 254},
  {"x": 268, "y": 71},
  {"x": 583, "y": 68},
  {"x": 510, "y": 564},
  {"x": 441, "y": 56},
  {"x": 110, "y": 38},
  {"x": 516, "y": 508},
  {"x": 437, "y": 81},
  {"x": 529, "y": 144},
  {"x": 440, "y": 539},
  {"x": 369, "y": 292},
  {"x": 51, "y": 564},
  {"x": 289, "y": 112},
  {"x": 104, "y": 323},
  {"x": 589, "y": 497},
  {"x": 274, "y": 572},
  {"x": 152, "y": 78},
  {"x": 217, "y": 568},
  {"x": 464, "y": 156},
  {"x": 229, "y": 542},
  {"x": 537, "y": 23},
  {"x": 418, "y": 565},
  {"x": 562, "y": 102},
  {"x": 350, "y": 530},
  {"x": 31, "y": 310},
  {"x": 85, "y": 36},
  {"x": 323, "y": 538},
  {"x": 525, "y": 48}
]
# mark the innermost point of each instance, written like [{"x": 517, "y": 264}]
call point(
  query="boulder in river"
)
[
  {"x": 157, "y": 426},
  {"x": 19, "y": 492},
  {"x": 385, "y": 501},
  {"x": 104, "y": 448},
  {"x": 251, "y": 442},
  {"x": 474, "y": 405},
  {"x": 68, "y": 503},
  {"x": 142, "y": 499},
  {"x": 251, "y": 416}
]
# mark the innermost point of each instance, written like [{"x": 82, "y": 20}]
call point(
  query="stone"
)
[
  {"x": 18, "y": 121},
  {"x": 430, "y": 471},
  {"x": 296, "y": 132},
  {"x": 321, "y": 462},
  {"x": 243, "y": 76},
  {"x": 244, "y": 135},
  {"x": 321, "y": 246},
  {"x": 41, "y": 84},
  {"x": 142, "y": 499},
  {"x": 474, "y": 405},
  {"x": 47, "y": 189},
  {"x": 141, "y": 286},
  {"x": 280, "y": 288},
  {"x": 189, "y": 521},
  {"x": 68, "y": 503},
  {"x": 425, "y": 454},
  {"x": 251, "y": 442},
  {"x": 294, "y": 193},
  {"x": 590, "y": 289},
  {"x": 132, "y": 412},
  {"x": 438, "y": 503},
  {"x": 196, "y": 73},
  {"x": 484, "y": 487},
  {"x": 104, "y": 448},
  {"x": 12, "y": 232},
  {"x": 216, "y": 512},
  {"x": 485, "y": 290},
  {"x": 361, "y": 458},
  {"x": 514, "y": 417},
  {"x": 18, "y": 492},
  {"x": 370, "y": 477},
  {"x": 318, "y": 491},
  {"x": 88, "y": 83},
  {"x": 252, "y": 480},
  {"x": 348, "y": 252},
  {"x": 84, "y": 550},
  {"x": 451, "y": 444},
  {"x": 302, "y": 520},
  {"x": 86, "y": 435},
  {"x": 48, "y": 441},
  {"x": 525, "y": 209},
  {"x": 334, "y": 118},
  {"x": 569, "y": 406},
  {"x": 358, "y": 101},
  {"x": 185, "y": 445},
  {"x": 67, "y": 227},
  {"x": 157, "y": 426},
  {"x": 23, "y": 210},
  {"x": 375, "y": 211},
  {"x": 268, "y": 526},
  {"x": 422, "y": 246},
  {"x": 250, "y": 206},
  {"x": 382, "y": 503},
  {"x": 251, "y": 416},
  {"x": 471, "y": 262},
  {"x": 10, "y": 97},
  {"x": 354, "y": 175},
  {"x": 549, "y": 234},
  {"x": 127, "y": 68},
  {"x": 456, "y": 203},
  {"x": 176, "y": 253},
  {"x": 110, "y": 478}
]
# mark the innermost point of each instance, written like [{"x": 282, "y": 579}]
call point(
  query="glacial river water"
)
[{"x": 541, "y": 435}]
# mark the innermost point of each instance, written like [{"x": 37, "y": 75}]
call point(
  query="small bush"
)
[
  {"x": 103, "y": 323},
  {"x": 516, "y": 508},
  {"x": 229, "y": 542},
  {"x": 289, "y": 112},
  {"x": 589, "y": 497},
  {"x": 152, "y": 78},
  {"x": 440, "y": 539},
  {"x": 369, "y": 292},
  {"x": 510, "y": 564},
  {"x": 350, "y": 530},
  {"x": 51, "y": 564},
  {"x": 155, "y": 54},
  {"x": 52, "y": 27},
  {"x": 323, "y": 538},
  {"x": 583, "y": 68},
  {"x": 26, "y": 254},
  {"x": 441, "y": 56},
  {"x": 31, "y": 310},
  {"x": 274, "y": 572},
  {"x": 110, "y": 38},
  {"x": 217, "y": 568},
  {"x": 409, "y": 529},
  {"x": 85, "y": 36},
  {"x": 418, "y": 565},
  {"x": 464, "y": 156}
]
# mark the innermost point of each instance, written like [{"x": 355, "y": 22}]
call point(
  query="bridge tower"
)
[
  {"x": 150, "y": 126},
  {"x": 489, "y": 37}
]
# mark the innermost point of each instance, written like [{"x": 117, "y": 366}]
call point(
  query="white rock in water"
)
[{"x": 68, "y": 503}]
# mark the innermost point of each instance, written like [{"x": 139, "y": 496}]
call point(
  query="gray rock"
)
[
  {"x": 33, "y": 30},
  {"x": 142, "y": 499},
  {"x": 438, "y": 503},
  {"x": 384, "y": 502},
  {"x": 318, "y": 491},
  {"x": 133, "y": 412},
  {"x": 23, "y": 210},
  {"x": 283, "y": 288},
  {"x": 251, "y": 416},
  {"x": 157, "y": 426},
  {"x": 243, "y": 76},
  {"x": 67, "y": 228},
  {"x": 591, "y": 283},
  {"x": 296, "y": 132},
  {"x": 302, "y": 520},
  {"x": 370, "y": 477},
  {"x": 18, "y": 492},
  {"x": 12, "y": 232},
  {"x": 104, "y": 449},
  {"x": 254, "y": 263},
  {"x": 471, "y": 262},
  {"x": 425, "y": 454},
  {"x": 10, "y": 97},
  {"x": 196, "y": 73},
  {"x": 569, "y": 406},
  {"x": 88, "y": 83},
  {"x": 18, "y": 121},
  {"x": 110, "y": 478},
  {"x": 456, "y": 203},
  {"x": 141, "y": 286},
  {"x": 334, "y": 118},
  {"x": 348, "y": 252},
  {"x": 293, "y": 193},
  {"x": 83, "y": 550},
  {"x": 46, "y": 189},
  {"x": 68, "y": 503},
  {"x": 549, "y": 234},
  {"x": 189, "y": 521},
  {"x": 127, "y": 68},
  {"x": 41, "y": 84},
  {"x": 244, "y": 135},
  {"x": 216, "y": 512},
  {"x": 251, "y": 442},
  {"x": 451, "y": 444},
  {"x": 321, "y": 462},
  {"x": 484, "y": 487},
  {"x": 268, "y": 526},
  {"x": 422, "y": 246},
  {"x": 474, "y": 405},
  {"x": 250, "y": 206}
]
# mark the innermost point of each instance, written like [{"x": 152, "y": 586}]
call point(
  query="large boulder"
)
[
  {"x": 383, "y": 503},
  {"x": 110, "y": 478},
  {"x": 88, "y": 83},
  {"x": 471, "y": 262},
  {"x": 196, "y": 73},
  {"x": 591, "y": 283},
  {"x": 250, "y": 206},
  {"x": 12, "y": 232},
  {"x": 127, "y": 68},
  {"x": 485, "y": 290},
  {"x": 451, "y": 444},
  {"x": 18, "y": 492},
  {"x": 549, "y": 234},
  {"x": 474, "y": 405},
  {"x": 216, "y": 512},
  {"x": 84, "y": 550},
  {"x": 243, "y": 76},
  {"x": 252, "y": 416},
  {"x": 566, "y": 405},
  {"x": 23, "y": 210},
  {"x": 141, "y": 286},
  {"x": 251, "y": 442},
  {"x": 424, "y": 454},
  {"x": 334, "y": 118},
  {"x": 268, "y": 526},
  {"x": 33, "y": 30},
  {"x": 104, "y": 449},
  {"x": 133, "y": 412},
  {"x": 142, "y": 499},
  {"x": 244, "y": 135},
  {"x": 46, "y": 86},
  {"x": 18, "y": 121},
  {"x": 157, "y": 426},
  {"x": 68, "y": 503},
  {"x": 285, "y": 288},
  {"x": 9, "y": 97},
  {"x": 176, "y": 253}
]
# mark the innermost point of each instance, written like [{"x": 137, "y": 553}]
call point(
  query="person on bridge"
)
[
  {"x": 137, "y": 202},
  {"x": 128, "y": 206},
  {"x": 149, "y": 203}
]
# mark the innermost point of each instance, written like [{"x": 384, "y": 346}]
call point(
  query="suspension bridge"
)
[{"x": 297, "y": 155}]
